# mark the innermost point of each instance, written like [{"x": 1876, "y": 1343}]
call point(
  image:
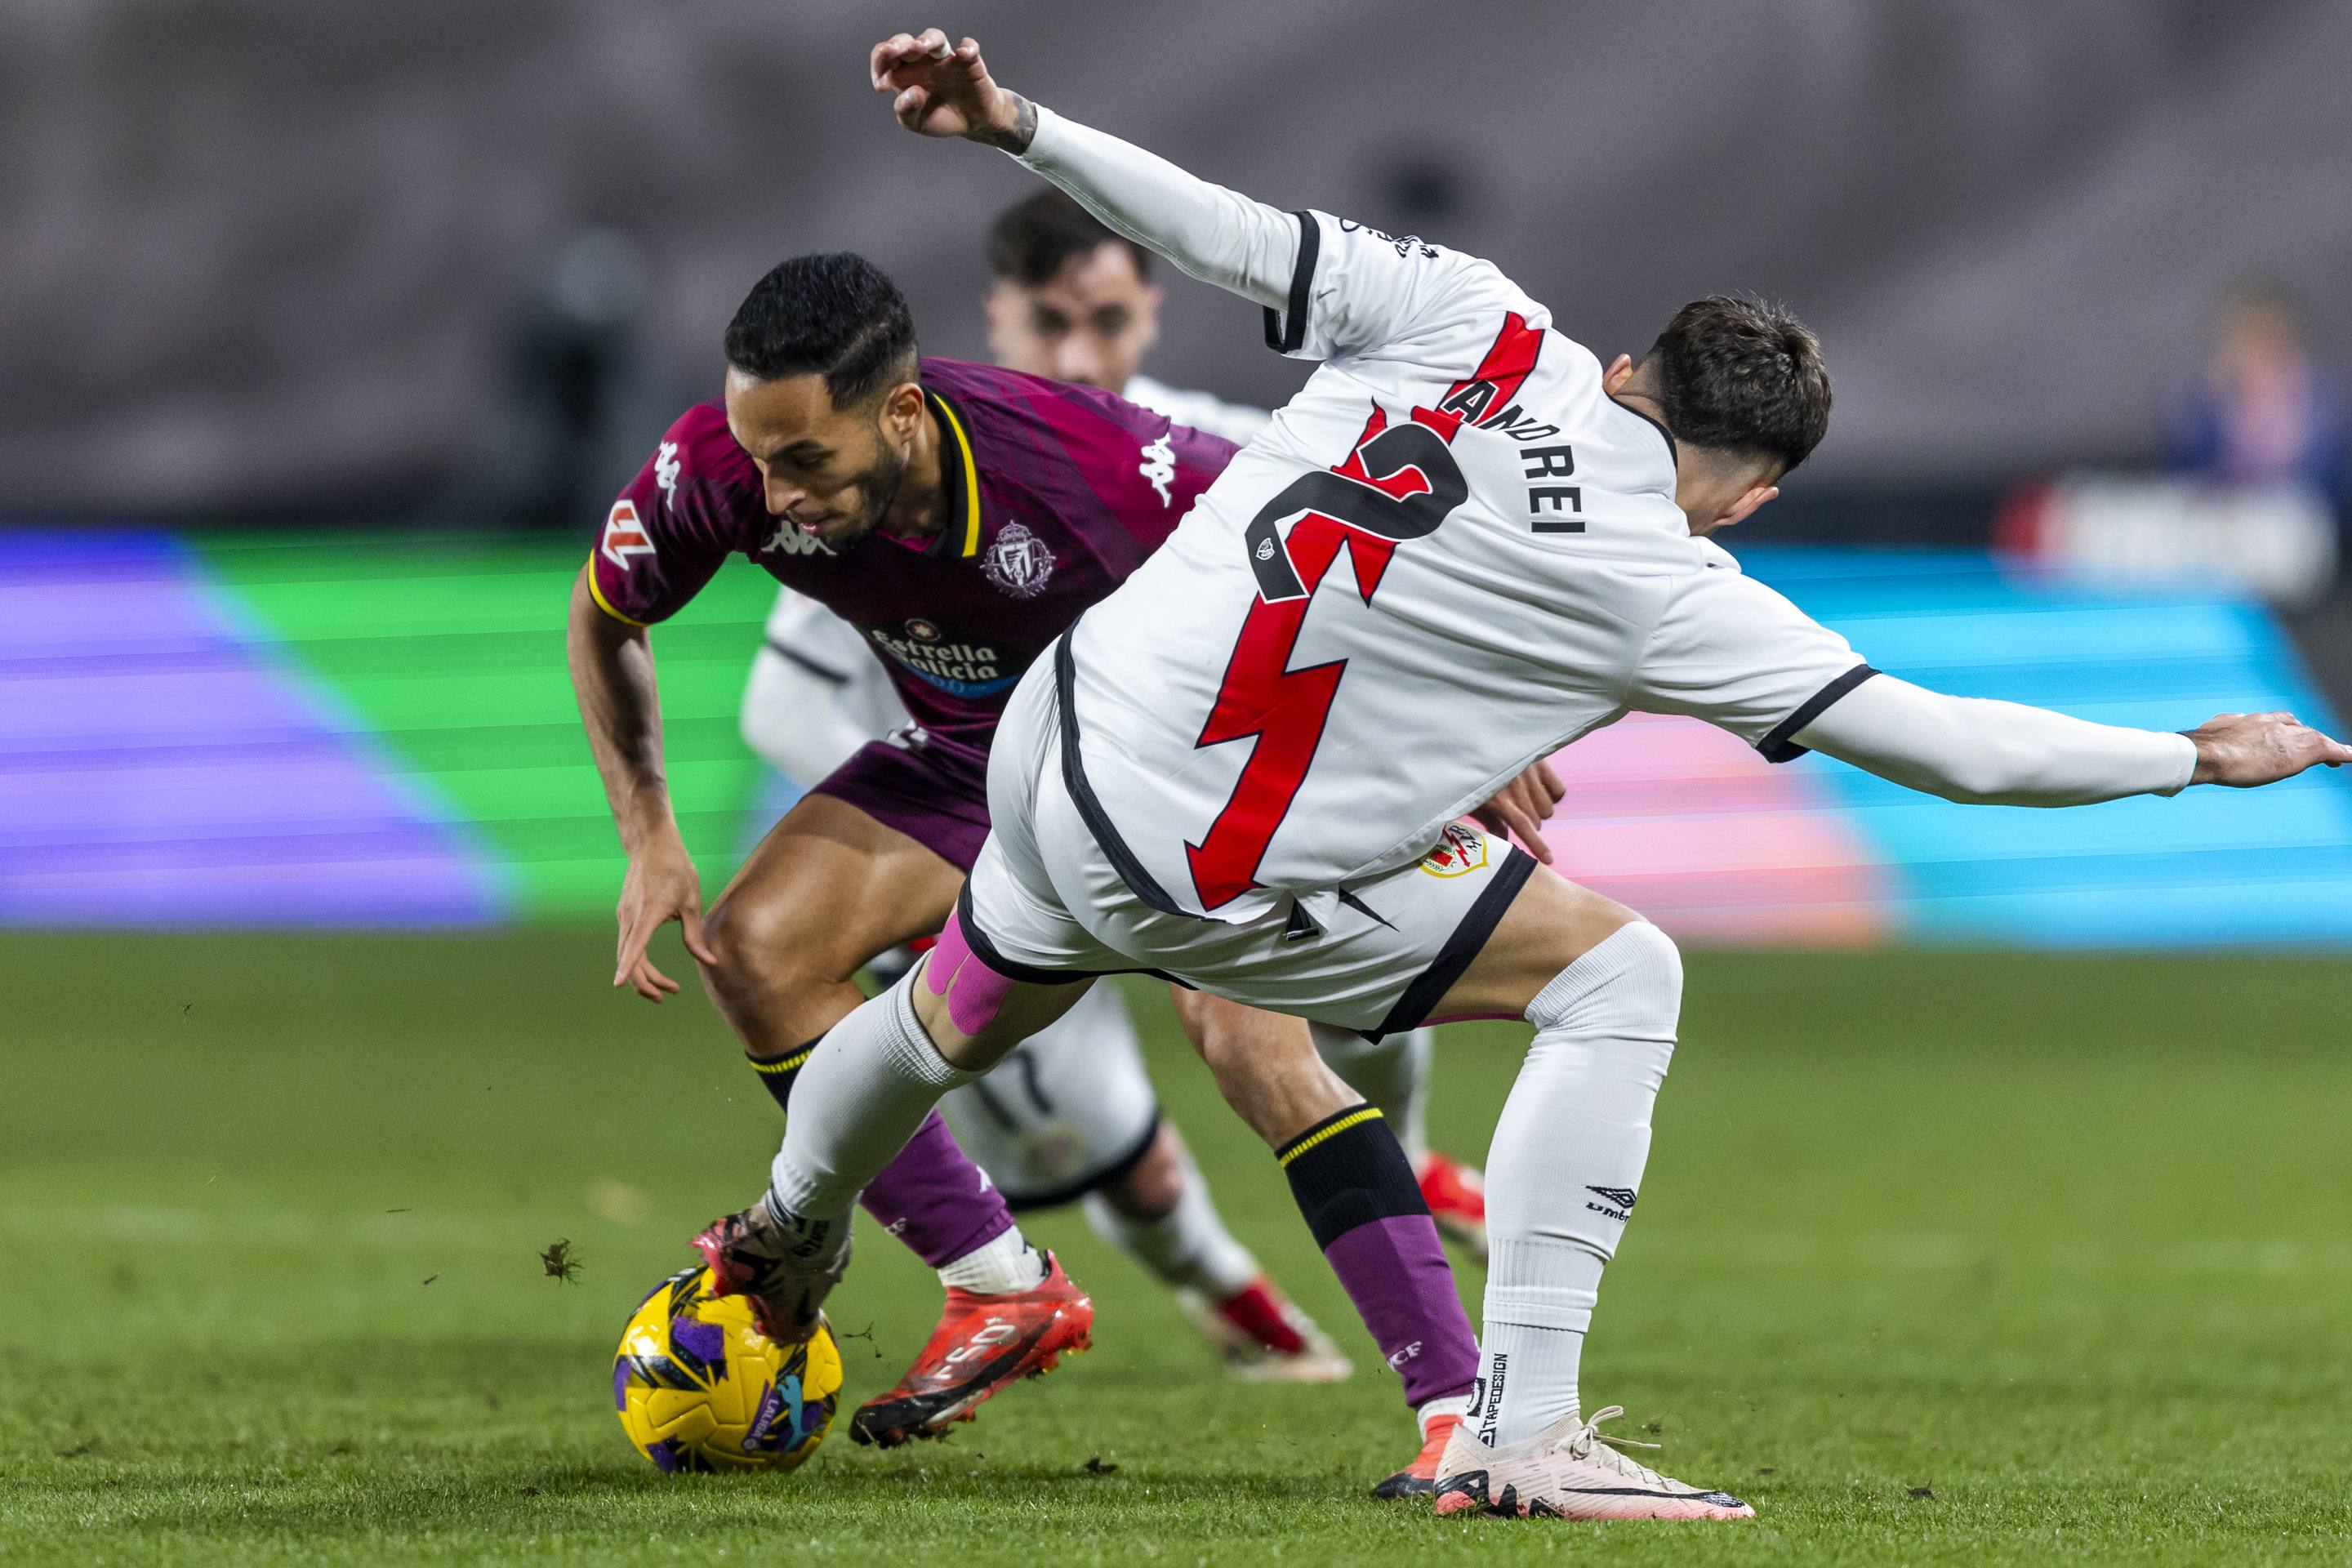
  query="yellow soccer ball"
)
[{"x": 699, "y": 1387}]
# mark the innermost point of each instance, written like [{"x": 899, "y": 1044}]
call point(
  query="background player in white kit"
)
[
  {"x": 1074, "y": 1117},
  {"x": 1524, "y": 532},
  {"x": 1070, "y": 299}
]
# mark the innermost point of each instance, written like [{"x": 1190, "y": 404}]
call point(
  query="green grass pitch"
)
[{"x": 1946, "y": 1259}]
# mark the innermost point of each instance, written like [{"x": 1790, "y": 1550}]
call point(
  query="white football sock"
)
[
  {"x": 1391, "y": 1073},
  {"x": 997, "y": 1267},
  {"x": 1564, "y": 1169},
  {"x": 867, "y": 1086},
  {"x": 1459, "y": 1405},
  {"x": 1187, "y": 1248}
]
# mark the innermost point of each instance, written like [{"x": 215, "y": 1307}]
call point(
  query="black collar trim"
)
[{"x": 1673, "y": 453}]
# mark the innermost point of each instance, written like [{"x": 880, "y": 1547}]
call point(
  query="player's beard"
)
[{"x": 879, "y": 488}]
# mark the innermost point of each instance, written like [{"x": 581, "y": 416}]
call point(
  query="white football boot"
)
[{"x": 1568, "y": 1472}]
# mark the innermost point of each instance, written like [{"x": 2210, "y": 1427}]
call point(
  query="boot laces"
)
[{"x": 1592, "y": 1444}]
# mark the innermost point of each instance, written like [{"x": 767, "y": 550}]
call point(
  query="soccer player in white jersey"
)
[
  {"x": 1074, "y": 1118},
  {"x": 1247, "y": 764},
  {"x": 1070, "y": 299}
]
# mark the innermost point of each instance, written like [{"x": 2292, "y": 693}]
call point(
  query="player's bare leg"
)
[
  {"x": 1603, "y": 988},
  {"x": 828, "y": 889},
  {"x": 1265, "y": 1064},
  {"x": 824, "y": 892}
]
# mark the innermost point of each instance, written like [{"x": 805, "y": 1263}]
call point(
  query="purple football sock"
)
[
  {"x": 933, "y": 1198},
  {"x": 1356, "y": 1190},
  {"x": 930, "y": 1195}
]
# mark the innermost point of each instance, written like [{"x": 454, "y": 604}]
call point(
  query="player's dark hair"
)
[
  {"x": 837, "y": 315},
  {"x": 1744, "y": 376},
  {"x": 1036, "y": 235}
]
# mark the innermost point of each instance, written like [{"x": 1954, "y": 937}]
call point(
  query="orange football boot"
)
[
  {"x": 1456, "y": 1197},
  {"x": 982, "y": 1344},
  {"x": 1419, "y": 1478}
]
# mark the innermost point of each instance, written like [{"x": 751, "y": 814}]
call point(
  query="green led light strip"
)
[{"x": 450, "y": 646}]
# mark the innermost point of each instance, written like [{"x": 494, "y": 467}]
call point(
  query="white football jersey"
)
[
  {"x": 1450, "y": 554},
  {"x": 1236, "y": 422}
]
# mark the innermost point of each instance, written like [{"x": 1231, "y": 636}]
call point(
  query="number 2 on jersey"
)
[{"x": 1399, "y": 483}]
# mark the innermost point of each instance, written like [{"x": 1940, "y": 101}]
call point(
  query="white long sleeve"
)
[
  {"x": 1994, "y": 753},
  {"x": 1215, "y": 234}
]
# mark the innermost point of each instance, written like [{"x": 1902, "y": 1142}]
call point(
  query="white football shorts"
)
[{"x": 1046, "y": 903}]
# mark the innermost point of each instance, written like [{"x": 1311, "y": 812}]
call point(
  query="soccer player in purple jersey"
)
[{"x": 960, "y": 516}]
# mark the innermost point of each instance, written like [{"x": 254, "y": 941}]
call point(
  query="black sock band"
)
[
  {"x": 1348, "y": 1170},
  {"x": 778, "y": 1075}
]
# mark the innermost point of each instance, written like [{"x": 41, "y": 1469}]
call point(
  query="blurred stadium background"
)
[
  {"x": 327, "y": 332},
  {"x": 331, "y": 330}
]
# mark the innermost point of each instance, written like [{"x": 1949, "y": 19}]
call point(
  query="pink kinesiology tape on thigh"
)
[{"x": 973, "y": 989}]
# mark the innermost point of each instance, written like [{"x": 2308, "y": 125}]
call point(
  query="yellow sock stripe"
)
[
  {"x": 782, "y": 1064},
  {"x": 602, "y": 603},
  {"x": 970, "y": 477},
  {"x": 1354, "y": 1118}
]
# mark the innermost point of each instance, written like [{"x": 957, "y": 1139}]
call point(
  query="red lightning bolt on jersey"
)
[{"x": 1287, "y": 709}]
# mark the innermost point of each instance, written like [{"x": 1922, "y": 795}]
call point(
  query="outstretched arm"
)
[
  {"x": 940, "y": 89},
  {"x": 612, "y": 676},
  {"x": 2004, "y": 753},
  {"x": 1731, "y": 651}
]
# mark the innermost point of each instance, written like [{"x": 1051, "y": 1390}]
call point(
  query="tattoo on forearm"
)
[{"x": 1025, "y": 127}]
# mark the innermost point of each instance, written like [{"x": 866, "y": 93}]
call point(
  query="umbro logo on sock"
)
[{"x": 1620, "y": 1204}]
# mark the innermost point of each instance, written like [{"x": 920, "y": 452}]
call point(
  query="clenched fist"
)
[{"x": 939, "y": 88}]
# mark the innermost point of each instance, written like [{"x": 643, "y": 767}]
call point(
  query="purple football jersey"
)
[{"x": 1056, "y": 492}]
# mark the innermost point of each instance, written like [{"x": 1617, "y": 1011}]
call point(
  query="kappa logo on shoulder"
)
[
  {"x": 1460, "y": 851},
  {"x": 665, "y": 470},
  {"x": 1159, "y": 469},
  {"x": 624, "y": 537}
]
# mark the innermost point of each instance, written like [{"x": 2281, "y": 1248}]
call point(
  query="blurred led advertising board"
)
[{"x": 333, "y": 729}]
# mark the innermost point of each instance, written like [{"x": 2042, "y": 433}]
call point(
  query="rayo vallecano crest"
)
[{"x": 1018, "y": 561}]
